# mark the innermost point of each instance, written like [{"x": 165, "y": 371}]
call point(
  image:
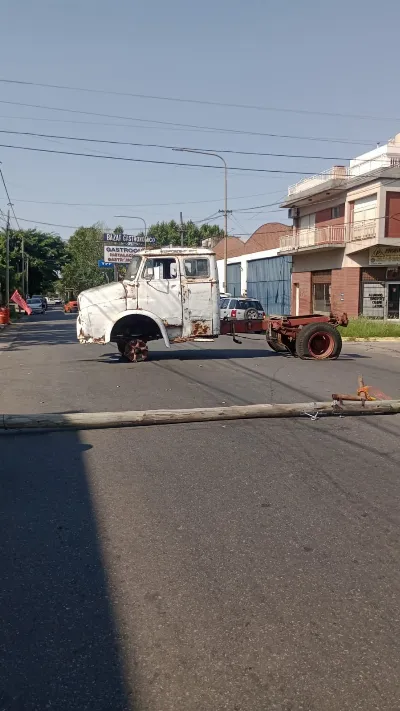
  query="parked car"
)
[
  {"x": 42, "y": 298},
  {"x": 241, "y": 308},
  {"x": 36, "y": 304},
  {"x": 51, "y": 300},
  {"x": 71, "y": 307}
]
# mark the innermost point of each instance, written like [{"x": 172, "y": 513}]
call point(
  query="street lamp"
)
[
  {"x": 210, "y": 153},
  {"x": 134, "y": 217}
]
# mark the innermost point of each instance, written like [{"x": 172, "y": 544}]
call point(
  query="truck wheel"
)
[
  {"x": 121, "y": 345},
  {"x": 136, "y": 350},
  {"x": 276, "y": 346},
  {"x": 319, "y": 341}
]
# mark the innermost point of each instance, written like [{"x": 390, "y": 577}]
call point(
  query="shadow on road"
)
[
  {"x": 201, "y": 354},
  {"x": 114, "y": 357},
  {"x": 58, "y": 639}
]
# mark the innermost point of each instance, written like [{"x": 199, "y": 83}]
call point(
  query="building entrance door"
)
[{"x": 393, "y": 300}]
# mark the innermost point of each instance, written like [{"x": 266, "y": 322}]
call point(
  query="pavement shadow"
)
[
  {"x": 201, "y": 354},
  {"x": 58, "y": 639},
  {"x": 114, "y": 357}
]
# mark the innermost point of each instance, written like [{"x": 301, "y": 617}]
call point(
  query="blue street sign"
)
[{"x": 104, "y": 265}]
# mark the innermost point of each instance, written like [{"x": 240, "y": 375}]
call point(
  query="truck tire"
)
[
  {"x": 121, "y": 345},
  {"x": 276, "y": 346},
  {"x": 319, "y": 341}
]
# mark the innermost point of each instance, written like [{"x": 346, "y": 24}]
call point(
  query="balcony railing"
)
[
  {"x": 314, "y": 237},
  {"x": 338, "y": 172},
  {"x": 365, "y": 229},
  {"x": 336, "y": 235}
]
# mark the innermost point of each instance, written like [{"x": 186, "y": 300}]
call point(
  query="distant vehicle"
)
[
  {"x": 51, "y": 301},
  {"x": 36, "y": 304},
  {"x": 71, "y": 307},
  {"x": 241, "y": 308},
  {"x": 58, "y": 301},
  {"x": 42, "y": 298}
]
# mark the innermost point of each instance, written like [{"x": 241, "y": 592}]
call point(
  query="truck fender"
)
[{"x": 139, "y": 312}]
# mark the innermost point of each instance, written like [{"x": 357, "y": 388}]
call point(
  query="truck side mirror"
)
[{"x": 149, "y": 273}]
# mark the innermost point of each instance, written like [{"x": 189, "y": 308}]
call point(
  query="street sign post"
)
[{"x": 104, "y": 265}]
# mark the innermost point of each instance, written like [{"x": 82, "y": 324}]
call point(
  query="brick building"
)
[{"x": 345, "y": 241}]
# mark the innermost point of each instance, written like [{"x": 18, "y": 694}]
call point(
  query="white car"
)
[
  {"x": 240, "y": 308},
  {"x": 36, "y": 305}
]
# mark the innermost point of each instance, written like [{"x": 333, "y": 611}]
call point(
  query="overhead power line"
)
[
  {"x": 170, "y": 147},
  {"x": 179, "y": 126},
  {"x": 143, "y": 204},
  {"x": 8, "y": 198},
  {"x": 204, "y": 102},
  {"x": 156, "y": 162}
]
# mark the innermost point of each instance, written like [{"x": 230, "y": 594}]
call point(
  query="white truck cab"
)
[{"x": 168, "y": 293}]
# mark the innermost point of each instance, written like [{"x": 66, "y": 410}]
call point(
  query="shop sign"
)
[
  {"x": 119, "y": 253},
  {"x": 381, "y": 256}
]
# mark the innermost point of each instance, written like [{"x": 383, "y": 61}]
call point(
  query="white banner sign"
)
[
  {"x": 119, "y": 253},
  {"x": 382, "y": 256}
]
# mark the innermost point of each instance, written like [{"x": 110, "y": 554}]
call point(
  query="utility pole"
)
[
  {"x": 27, "y": 275},
  {"x": 8, "y": 260},
  {"x": 182, "y": 230}
]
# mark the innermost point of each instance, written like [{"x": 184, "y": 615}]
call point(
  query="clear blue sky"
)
[{"x": 337, "y": 57}]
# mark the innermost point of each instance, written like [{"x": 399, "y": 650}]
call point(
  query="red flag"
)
[{"x": 17, "y": 298}]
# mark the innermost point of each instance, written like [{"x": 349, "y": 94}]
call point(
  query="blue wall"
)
[{"x": 269, "y": 281}]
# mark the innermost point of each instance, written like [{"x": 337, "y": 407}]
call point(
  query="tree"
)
[
  {"x": 45, "y": 253},
  {"x": 81, "y": 271},
  {"x": 167, "y": 233}
]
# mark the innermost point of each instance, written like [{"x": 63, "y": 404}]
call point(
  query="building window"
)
[
  {"x": 321, "y": 298},
  {"x": 335, "y": 212}
]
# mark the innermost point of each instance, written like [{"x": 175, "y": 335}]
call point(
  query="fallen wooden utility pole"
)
[{"x": 137, "y": 418}]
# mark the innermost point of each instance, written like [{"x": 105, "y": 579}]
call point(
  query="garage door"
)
[
  {"x": 268, "y": 280},
  {"x": 233, "y": 277}
]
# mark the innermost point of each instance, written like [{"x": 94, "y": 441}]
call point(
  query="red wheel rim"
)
[{"x": 321, "y": 345}]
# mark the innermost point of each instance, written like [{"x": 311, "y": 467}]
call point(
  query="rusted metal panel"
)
[{"x": 231, "y": 326}]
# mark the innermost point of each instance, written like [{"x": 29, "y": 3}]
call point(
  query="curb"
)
[{"x": 393, "y": 339}]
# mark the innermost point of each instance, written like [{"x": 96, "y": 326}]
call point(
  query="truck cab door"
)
[
  {"x": 200, "y": 296},
  {"x": 159, "y": 289}
]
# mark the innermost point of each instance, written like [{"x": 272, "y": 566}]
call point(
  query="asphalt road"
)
[{"x": 248, "y": 566}]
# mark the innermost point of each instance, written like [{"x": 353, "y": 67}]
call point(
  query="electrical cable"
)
[
  {"x": 8, "y": 197},
  {"x": 252, "y": 107},
  {"x": 179, "y": 126},
  {"x": 158, "y": 162},
  {"x": 174, "y": 148}
]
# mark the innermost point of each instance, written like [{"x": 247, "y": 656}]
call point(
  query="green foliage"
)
[
  {"x": 169, "y": 233},
  {"x": 46, "y": 255},
  {"x": 84, "y": 249}
]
